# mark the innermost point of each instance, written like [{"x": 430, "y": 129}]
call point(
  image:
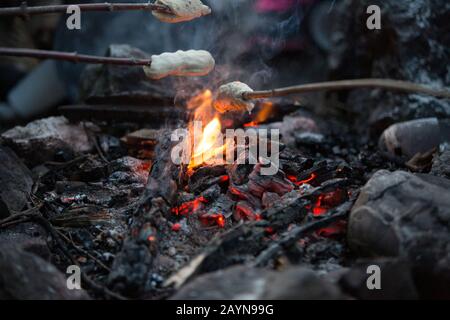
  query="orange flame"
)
[
  {"x": 210, "y": 144},
  {"x": 263, "y": 114}
]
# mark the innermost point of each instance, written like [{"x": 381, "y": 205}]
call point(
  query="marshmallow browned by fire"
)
[
  {"x": 183, "y": 10},
  {"x": 230, "y": 98},
  {"x": 189, "y": 63}
]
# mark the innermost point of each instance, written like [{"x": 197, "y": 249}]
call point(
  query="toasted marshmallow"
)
[
  {"x": 183, "y": 10},
  {"x": 189, "y": 63},
  {"x": 230, "y": 98}
]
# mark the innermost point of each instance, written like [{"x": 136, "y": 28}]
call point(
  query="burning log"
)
[
  {"x": 181, "y": 63},
  {"x": 236, "y": 96}
]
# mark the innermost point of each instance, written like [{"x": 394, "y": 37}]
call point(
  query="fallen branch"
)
[
  {"x": 27, "y": 11},
  {"x": 72, "y": 57}
]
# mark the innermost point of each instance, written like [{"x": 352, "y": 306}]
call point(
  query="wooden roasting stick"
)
[
  {"x": 190, "y": 63},
  {"x": 388, "y": 84},
  {"x": 25, "y": 10},
  {"x": 169, "y": 11},
  {"x": 72, "y": 57},
  {"x": 237, "y": 96}
]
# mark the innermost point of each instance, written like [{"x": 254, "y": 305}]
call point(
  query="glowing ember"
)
[
  {"x": 325, "y": 202},
  {"x": 220, "y": 220},
  {"x": 176, "y": 227},
  {"x": 294, "y": 180},
  {"x": 189, "y": 207},
  {"x": 329, "y": 200},
  {"x": 318, "y": 209},
  {"x": 332, "y": 230},
  {"x": 244, "y": 212},
  {"x": 216, "y": 218}
]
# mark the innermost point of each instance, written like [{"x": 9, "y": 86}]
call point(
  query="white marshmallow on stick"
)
[
  {"x": 189, "y": 63},
  {"x": 230, "y": 98},
  {"x": 236, "y": 96},
  {"x": 183, "y": 10}
]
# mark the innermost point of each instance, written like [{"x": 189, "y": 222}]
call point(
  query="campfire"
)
[{"x": 164, "y": 174}]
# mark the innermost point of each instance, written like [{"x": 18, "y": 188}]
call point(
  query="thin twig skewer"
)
[
  {"x": 26, "y": 11},
  {"x": 396, "y": 85},
  {"x": 72, "y": 57}
]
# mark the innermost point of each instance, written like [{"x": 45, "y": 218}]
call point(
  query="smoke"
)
[{"x": 241, "y": 38}]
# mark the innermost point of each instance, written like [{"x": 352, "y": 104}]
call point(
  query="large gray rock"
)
[
  {"x": 25, "y": 276},
  {"x": 396, "y": 280},
  {"x": 15, "y": 182},
  {"x": 40, "y": 140},
  {"x": 411, "y": 45},
  {"x": 246, "y": 283},
  {"x": 406, "y": 215}
]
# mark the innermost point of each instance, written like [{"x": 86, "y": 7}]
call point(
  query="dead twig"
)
[
  {"x": 60, "y": 244},
  {"x": 389, "y": 84},
  {"x": 72, "y": 57},
  {"x": 82, "y": 251},
  {"x": 19, "y": 217},
  {"x": 25, "y": 11}
]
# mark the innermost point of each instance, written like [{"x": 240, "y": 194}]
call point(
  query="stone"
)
[
  {"x": 395, "y": 279},
  {"x": 41, "y": 140},
  {"x": 399, "y": 214},
  {"x": 245, "y": 283},
  {"x": 16, "y": 182},
  {"x": 26, "y": 276},
  {"x": 409, "y": 46},
  {"x": 441, "y": 162},
  {"x": 406, "y": 139}
]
